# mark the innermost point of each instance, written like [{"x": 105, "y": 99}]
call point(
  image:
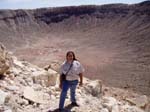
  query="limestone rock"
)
[
  {"x": 111, "y": 104},
  {"x": 94, "y": 88},
  {"x": 128, "y": 108},
  {"x": 4, "y": 65},
  {"x": 21, "y": 101},
  {"x": 104, "y": 110},
  {"x": 46, "y": 78},
  {"x": 47, "y": 67},
  {"x": 147, "y": 109},
  {"x": 35, "y": 96},
  {"x": 33, "y": 89},
  {"x": 17, "y": 63},
  {"x": 37, "y": 87},
  {"x": 55, "y": 65},
  {"x": 12, "y": 88},
  {"x": 4, "y": 97},
  {"x": 8, "y": 110},
  {"x": 139, "y": 101},
  {"x": 115, "y": 108},
  {"x": 15, "y": 71},
  {"x": 25, "y": 102}
]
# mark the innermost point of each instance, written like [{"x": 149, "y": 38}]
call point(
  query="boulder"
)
[
  {"x": 104, "y": 110},
  {"x": 12, "y": 88},
  {"x": 147, "y": 109},
  {"x": 115, "y": 108},
  {"x": 21, "y": 101},
  {"x": 35, "y": 96},
  {"x": 4, "y": 65},
  {"x": 15, "y": 71},
  {"x": 55, "y": 65},
  {"x": 16, "y": 63},
  {"x": 47, "y": 67},
  {"x": 45, "y": 78},
  {"x": 94, "y": 88},
  {"x": 140, "y": 101},
  {"x": 9, "y": 110},
  {"x": 110, "y": 103},
  {"x": 4, "y": 97},
  {"x": 128, "y": 108}
]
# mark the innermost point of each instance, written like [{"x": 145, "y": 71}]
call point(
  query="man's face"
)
[{"x": 70, "y": 57}]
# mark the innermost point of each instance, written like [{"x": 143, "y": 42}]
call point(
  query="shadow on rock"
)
[
  {"x": 2, "y": 77},
  {"x": 67, "y": 109}
]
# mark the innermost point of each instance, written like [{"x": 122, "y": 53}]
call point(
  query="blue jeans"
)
[{"x": 66, "y": 85}]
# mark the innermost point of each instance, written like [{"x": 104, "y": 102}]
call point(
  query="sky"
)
[{"x": 32, "y": 4}]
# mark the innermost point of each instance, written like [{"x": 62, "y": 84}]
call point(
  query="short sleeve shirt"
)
[{"x": 74, "y": 72}]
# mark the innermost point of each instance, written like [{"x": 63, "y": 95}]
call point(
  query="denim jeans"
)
[{"x": 66, "y": 85}]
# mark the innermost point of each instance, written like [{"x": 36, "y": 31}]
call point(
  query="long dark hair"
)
[{"x": 74, "y": 57}]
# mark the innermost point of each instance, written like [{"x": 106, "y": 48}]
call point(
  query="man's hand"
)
[
  {"x": 81, "y": 79},
  {"x": 80, "y": 83},
  {"x": 60, "y": 86}
]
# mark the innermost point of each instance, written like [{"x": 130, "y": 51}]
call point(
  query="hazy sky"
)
[{"x": 31, "y": 4}]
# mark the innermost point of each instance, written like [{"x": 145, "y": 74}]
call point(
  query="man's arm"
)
[
  {"x": 81, "y": 79},
  {"x": 60, "y": 81}
]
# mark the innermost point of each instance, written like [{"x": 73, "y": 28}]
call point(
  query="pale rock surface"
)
[
  {"x": 47, "y": 78},
  {"x": 8, "y": 110},
  {"x": 139, "y": 101},
  {"x": 13, "y": 88},
  {"x": 104, "y": 110},
  {"x": 147, "y": 109},
  {"x": 35, "y": 96},
  {"x": 115, "y": 108},
  {"x": 128, "y": 108},
  {"x": 17, "y": 63},
  {"x": 4, "y": 97},
  {"x": 4, "y": 65},
  {"x": 55, "y": 65},
  {"x": 110, "y": 103},
  {"x": 94, "y": 88},
  {"x": 33, "y": 89}
]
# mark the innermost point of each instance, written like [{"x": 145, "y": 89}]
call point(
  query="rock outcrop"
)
[
  {"x": 116, "y": 34},
  {"x": 4, "y": 60},
  {"x": 4, "y": 97},
  {"x": 47, "y": 78},
  {"x": 94, "y": 88},
  {"x": 25, "y": 90},
  {"x": 35, "y": 96}
]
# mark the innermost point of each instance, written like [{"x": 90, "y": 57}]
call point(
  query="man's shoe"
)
[
  {"x": 75, "y": 104},
  {"x": 60, "y": 110}
]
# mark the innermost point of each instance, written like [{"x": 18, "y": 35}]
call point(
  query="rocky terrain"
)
[
  {"x": 111, "y": 41},
  {"x": 27, "y": 88}
]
